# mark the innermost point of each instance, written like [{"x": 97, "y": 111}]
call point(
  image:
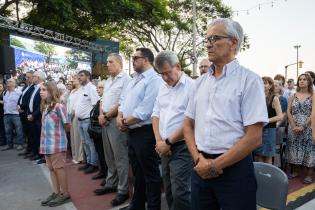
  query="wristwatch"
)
[
  {"x": 106, "y": 117},
  {"x": 167, "y": 141}
]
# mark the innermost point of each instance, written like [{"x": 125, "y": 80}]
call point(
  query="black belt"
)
[
  {"x": 10, "y": 114},
  {"x": 83, "y": 119},
  {"x": 178, "y": 143},
  {"x": 210, "y": 156}
]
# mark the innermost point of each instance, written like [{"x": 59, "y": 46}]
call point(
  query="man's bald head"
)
[{"x": 204, "y": 65}]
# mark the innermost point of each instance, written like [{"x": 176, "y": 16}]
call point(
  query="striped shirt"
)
[{"x": 53, "y": 135}]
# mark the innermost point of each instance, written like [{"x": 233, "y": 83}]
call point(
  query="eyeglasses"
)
[
  {"x": 134, "y": 58},
  {"x": 201, "y": 67},
  {"x": 214, "y": 38},
  {"x": 166, "y": 73}
]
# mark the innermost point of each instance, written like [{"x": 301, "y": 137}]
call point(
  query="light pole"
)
[
  {"x": 297, "y": 59},
  {"x": 194, "y": 39}
]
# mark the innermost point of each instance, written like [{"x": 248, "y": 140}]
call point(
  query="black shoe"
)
[
  {"x": 23, "y": 153},
  {"x": 120, "y": 199},
  {"x": 81, "y": 168},
  {"x": 130, "y": 207},
  {"x": 29, "y": 156},
  {"x": 90, "y": 169},
  {"x": 36, "y": 157},
  {"x": 7, "y": 148},
  {"x": 103, "y": 183},
  {"x": 104, "y": 191},
  {"x": 41, "y": 161},
  {"x": 98, "y": 176}
]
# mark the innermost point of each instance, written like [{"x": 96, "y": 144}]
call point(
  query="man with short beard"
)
[{"x": 135, "y": 112}]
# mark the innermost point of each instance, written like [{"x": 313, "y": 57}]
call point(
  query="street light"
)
[
  {"x": 297, "y": 59},
  {"x": 299, "y": 64}
]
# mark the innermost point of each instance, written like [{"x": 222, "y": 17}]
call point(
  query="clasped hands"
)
[
  {"x": 206, "y": 168},
  {"x": 162, "y": 148}
]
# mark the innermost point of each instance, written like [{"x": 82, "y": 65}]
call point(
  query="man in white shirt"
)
[
  {"x": 290, "y": 90},
  {"x": 88, "y": 97},
  {"x": 223, "y": 125},
  {"x": 114, "y": 140},
  {"x": 167, "y": 121},
  {"x": 11, "y": 117},
  {"x": 204, "y": 66}
]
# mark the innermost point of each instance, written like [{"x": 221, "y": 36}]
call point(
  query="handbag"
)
[{"x": 95, "y": 129}]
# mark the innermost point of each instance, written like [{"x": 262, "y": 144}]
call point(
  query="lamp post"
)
[
  {"x": 297, "y": 59},
  {"x": 194, "y": 39}
]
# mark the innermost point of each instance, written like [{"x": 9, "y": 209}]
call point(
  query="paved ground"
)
[{"x": 23, "y": 184}]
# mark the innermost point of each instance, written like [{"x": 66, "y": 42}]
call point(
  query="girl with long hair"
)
[
  {"x": 268, "y": 148},
  {"x": 300, "y": 149},
  {"x": 53, "y": 143}
]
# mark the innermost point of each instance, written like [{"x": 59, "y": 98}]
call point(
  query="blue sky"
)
[{"x": 273, "y": 31}]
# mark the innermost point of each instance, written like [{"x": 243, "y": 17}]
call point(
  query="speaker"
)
[{"x": 7, "y": 60}]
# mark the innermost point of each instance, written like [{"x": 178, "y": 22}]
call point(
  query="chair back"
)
[{"x": 272, "y": 186}]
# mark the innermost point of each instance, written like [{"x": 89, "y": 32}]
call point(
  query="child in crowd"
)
[{"x": 54, "y": 143}]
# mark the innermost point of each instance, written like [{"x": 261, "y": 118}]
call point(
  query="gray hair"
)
[
  {"x": 40, "y": 74},
  {"x": 118, "y": 58},
  {"x": 166, "y": 56},
  {"x": 233, "y": 29}
]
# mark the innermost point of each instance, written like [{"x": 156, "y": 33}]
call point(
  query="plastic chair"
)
[{"x": 272, "y": 186}]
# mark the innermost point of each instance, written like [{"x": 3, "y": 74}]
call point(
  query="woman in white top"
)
[{"x": 76, "y": 144}]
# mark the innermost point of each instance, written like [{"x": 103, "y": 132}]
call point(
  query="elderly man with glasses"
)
[{"x": 224, "y": 121}]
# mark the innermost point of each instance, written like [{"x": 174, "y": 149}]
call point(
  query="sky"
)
[{"x": 274, "y": 31}]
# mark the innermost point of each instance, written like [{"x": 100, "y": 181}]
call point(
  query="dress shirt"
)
[
  {"x": 32, "y": 97},
  {"x": 10, "y": 101},
  {"x": 139, "y": 97},
  {"x": 171, "y": 104},
  {"x": 86, "y": 100},
  {"x": 222, "y": 107},
  {"x": 72, "y": 101},
  {"x": 113, "y": 88}
]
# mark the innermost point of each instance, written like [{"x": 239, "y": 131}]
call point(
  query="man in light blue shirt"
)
[
  {"x": 11, "y": 115},
  {"x": 167, "y": 121},
  {"x": 135, "y": 112},
  {"x": 223, "y": 125}
]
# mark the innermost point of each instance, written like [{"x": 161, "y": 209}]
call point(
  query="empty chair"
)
[{"x": 272, "y": 186}]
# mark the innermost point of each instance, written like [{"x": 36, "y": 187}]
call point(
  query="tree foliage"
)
[
  {"x": 45, "y": 48},
  {"x": 17, "y": 43}
]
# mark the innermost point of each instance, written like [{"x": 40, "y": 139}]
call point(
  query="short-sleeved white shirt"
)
[
  {"x": 171, "y": 104},
  {"x": 222, "y": 107},
  {"x": 87, "y": 98}
]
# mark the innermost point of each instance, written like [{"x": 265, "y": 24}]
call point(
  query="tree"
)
[
  {"x": 45, "y": 48},
  {"x": 17, "y": 43}
]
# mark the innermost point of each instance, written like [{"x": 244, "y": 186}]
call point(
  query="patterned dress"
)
[{"x": 300, "y": 148}]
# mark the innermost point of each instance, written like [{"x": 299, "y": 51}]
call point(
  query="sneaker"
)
[
  {"x": 59, "y": 200},
  {"x": 75, "y": 162},
  {"x": 48, "y": 199},
  {"x": 19, "y": 148}
]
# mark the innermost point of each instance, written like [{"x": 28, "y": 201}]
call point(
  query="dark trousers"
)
[
  {"x": 145, "y": 167},
  {"x": 35, "y": 127},
  {"x": 3, "y": 139},
  {"x": 26, "y": 128},
  {"x": 235, "y": 189},
  {"x": 98, "y": 143}
]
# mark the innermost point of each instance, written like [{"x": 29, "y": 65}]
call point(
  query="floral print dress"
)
[{"x": 300, "y": 149}]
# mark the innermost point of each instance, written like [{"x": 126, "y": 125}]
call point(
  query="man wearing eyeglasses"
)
[
  {"x": 204, "y": 66},
  {"x": 167, "y": 120},
  {"x": 135, "y": 110},
  {"x": 223, "y": 125}
]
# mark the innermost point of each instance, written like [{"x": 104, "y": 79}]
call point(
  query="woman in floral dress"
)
[{"x": 300, "y": 146}]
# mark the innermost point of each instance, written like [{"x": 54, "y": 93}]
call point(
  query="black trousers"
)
[
  {"x": 26, "y": 127},
  {"x": 98, "y": 143},
  {"x": 235, "y": 189},
  {"x": 35, "y": 127},
  {"x": 145, "y": 167}
]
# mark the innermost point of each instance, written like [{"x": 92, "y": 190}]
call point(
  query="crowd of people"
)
[{"x": 204, "y": 133}]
